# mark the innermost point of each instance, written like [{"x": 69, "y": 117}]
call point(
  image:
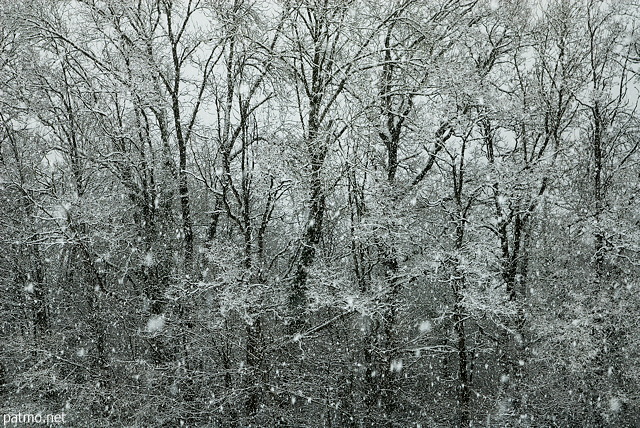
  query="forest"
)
[{"x": 320, "y": 213}]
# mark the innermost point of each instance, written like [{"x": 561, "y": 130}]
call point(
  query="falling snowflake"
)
[
  {"x": 615, "y": 404},
  {"x": 425, "y": 326},
  {"x": 350, "y": 303},
  {"x": 155, "y": 324},
  {"x": 396, "y": 365},
  {"x": 149, "y": 260}
]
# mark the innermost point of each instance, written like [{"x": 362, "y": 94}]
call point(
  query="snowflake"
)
[{"x": 155, "y": 324}]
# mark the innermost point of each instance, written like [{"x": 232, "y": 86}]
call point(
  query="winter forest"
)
[{"x": 320, "y": 213}]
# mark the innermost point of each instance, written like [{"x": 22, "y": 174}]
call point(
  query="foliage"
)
[{"x": 320, "y": 212}]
